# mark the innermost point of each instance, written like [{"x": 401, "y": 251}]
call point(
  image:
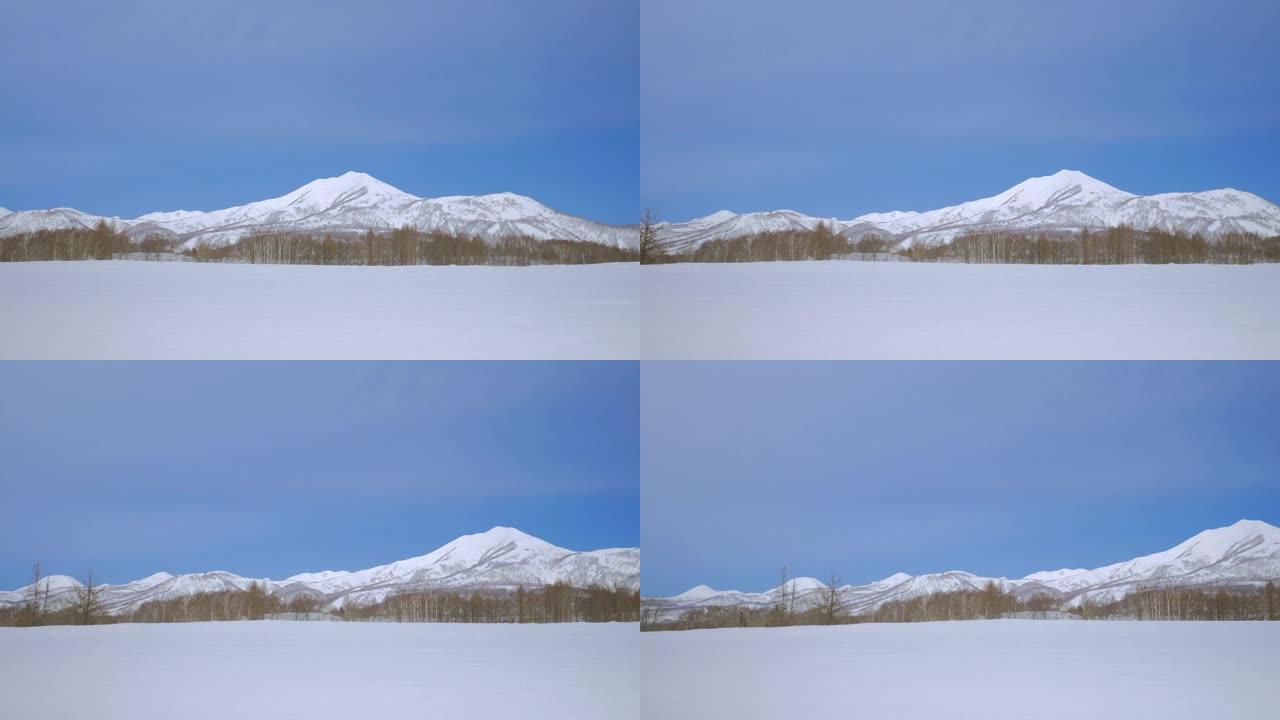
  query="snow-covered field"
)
[
  {"x": 981, "y": 669},
  {"x": 854, "y": 310},
  {"x": 310, "y": 670},
  {"x": 146, "y": 310}
]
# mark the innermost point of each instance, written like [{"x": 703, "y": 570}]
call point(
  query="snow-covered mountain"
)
[
  {"x": 350, "y": 203},
  {"x": 1246, "y": 553},
  {"x": 1066, "y": 201},
  {"x": 500, "y": 558}
]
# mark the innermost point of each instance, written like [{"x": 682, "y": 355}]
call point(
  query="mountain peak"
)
[
  {"x": 154, "y": 578},
  {"x": 499, "y": 535},
  {"x": 1241, "y": 529},
  {"x": 505, "y": 531},
  {"x": 352, "y": 180},
  {"x": 1066, "y": 179},
  {"x": 1074, "y": 175},
  {"x": 697, "y": 593},
  {"x": 895, "y": 579},
  {"x": 803, "y": 584}
]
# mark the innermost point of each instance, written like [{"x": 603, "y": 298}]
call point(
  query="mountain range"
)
[
  {"x": 348, "y": 204},
  {"x": 1246, "y": 553},
  {"x": 501, "y": 558},
  {"x": 1067, "y": 201}
]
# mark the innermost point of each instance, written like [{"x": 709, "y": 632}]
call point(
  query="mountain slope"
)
[
  {"x": 350, "y": 203},
  {"x": 1066, "y": 201},
  {"x": 499, "y": 558},
  {"x": 1247, "y": 552}
]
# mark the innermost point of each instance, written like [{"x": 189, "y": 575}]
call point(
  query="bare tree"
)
[
  {"x": 255, "y": 601},
  {"x": 88, "y": 601},
  {"x": 831, "y": 601},
  {"x": 32, "y": 613},
  {"x": 648, "y": 235}
]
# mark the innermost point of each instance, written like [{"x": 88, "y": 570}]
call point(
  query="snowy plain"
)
[
  {"x": 311, "y": 670},
  {"x": 155, "y": 310},
  {"x": 867, "y": 310},
  {"x": 979, "y": 669}
]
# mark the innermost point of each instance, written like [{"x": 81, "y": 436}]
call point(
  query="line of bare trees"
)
[
  {"x": 989, "y": 602},
  {"x": 821, "y": 243},
  {"x": 99, "y": 243},
  {"x": 404, "y": 246},
  {"x": 1175, "y": 603},
  {"x": 1243, "y": 602},
  {"x": 85, "y": 607},
  {"x": 554, "y": 603},
  {"x": 1113, "y": 246},
  {"x": 253, "y": 603}
]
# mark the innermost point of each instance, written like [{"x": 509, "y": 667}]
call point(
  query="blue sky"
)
[
  {"x": 838, "y": 108},
  {"x": 865, "y": 469},
  {"x": 269, "y": 469},
  {"x": 126, "y": 108}
]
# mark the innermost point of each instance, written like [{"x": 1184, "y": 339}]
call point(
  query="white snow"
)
[
  {"x": 307, "y": 670},
  {"x": 351, "y": 202},
  {"x": 982, "y": 669},
  {"x": 502, "y": 557},
  {"x": 1246, "y": 552},
  {"x": 855, "y": 310},
  {"x": 698, "y": 592},
  {"x": 1065, "y": 200},
  {"x": 141, "y": 310}
]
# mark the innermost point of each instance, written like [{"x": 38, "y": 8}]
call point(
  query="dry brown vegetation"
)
[
  {"x": 397, "y": 247},
  {"x": 1113, "y": 246},
  {"x": 1223, "y": 603},
  {"x": 555, "y": 603}
]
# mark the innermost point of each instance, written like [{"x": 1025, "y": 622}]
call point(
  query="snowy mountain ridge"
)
[
  {"x": 1245, "y": 553},
  {"x": 350, "y": 203},
  {"x": 1066, "y": 201},
  {"x": 499, "y": 558}
]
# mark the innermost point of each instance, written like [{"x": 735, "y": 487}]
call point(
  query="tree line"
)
[
  {"x": 1174, "y": 603},
  {"x": 988, "y": 603},
  {"x": 1113, "y": 246},
  {"x": 554, "y": 603},
  {"x": 253, "y": 603},
  {"x": 404, "y": 246},
  {"x": 821, "y": 243}
]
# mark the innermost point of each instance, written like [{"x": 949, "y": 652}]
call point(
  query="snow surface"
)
[
  {"x": 142, "y": 310},
  {"x": 855, "y": 310},
  {"x": 980, "y": 669},
  {"x": 308, "y": 670}
]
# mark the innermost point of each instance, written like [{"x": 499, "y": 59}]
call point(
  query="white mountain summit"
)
[
  {"x": 1245, "y": 553},
  {"x": 350, "y": 203},
  {"x": 1066, "y": 201},
  {"x": 500, "y": 558}
]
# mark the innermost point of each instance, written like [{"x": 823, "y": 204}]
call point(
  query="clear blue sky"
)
[
  {"x": 865, "y": 469},
  {"x": 126, "y": 108},
  {"x": 838, "y": 108},
  {"x": 270, "y": 469}
]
